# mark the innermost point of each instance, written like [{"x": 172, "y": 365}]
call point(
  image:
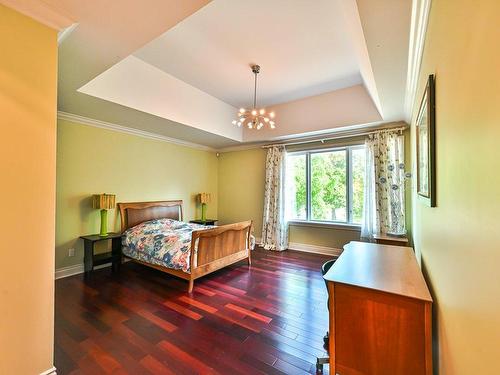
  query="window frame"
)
[{"x": 348, "y": 224}]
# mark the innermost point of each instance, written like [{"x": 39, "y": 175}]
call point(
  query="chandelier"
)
[{"x": 255, "y": 118}]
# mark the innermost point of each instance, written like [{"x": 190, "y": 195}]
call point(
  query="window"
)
[{"x": 325, "y": 185}]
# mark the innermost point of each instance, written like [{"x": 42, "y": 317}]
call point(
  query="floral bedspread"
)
[{"x": 164, "y": 242}]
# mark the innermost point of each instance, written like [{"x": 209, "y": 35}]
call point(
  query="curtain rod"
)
[{"x": 340, "y": 136}]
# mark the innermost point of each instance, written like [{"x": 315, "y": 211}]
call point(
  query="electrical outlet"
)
[{"x": 71, "y": 252}]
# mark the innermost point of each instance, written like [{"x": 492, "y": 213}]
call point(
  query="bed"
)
[{"x": 188, "y": 251}]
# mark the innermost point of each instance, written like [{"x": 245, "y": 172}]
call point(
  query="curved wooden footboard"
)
[{"x": 218, "y": 247}]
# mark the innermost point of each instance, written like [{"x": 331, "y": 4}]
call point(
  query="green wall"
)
[
  {"x": 321, "y": 236},
  {"x": 241, "y": 177},
  {"x": 241, "y": 195},
  {"x": 241, "y": 192},
  {"x": 459, "y": 240},
  {"x": 92, "y": 160}
]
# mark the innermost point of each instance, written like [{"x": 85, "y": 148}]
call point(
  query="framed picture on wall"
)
[{"x": 426, "y": 145}]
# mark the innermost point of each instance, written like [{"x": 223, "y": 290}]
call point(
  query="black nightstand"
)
[
  {"x": 206, "y": 222},
  {"x": 91, "y": 260}
]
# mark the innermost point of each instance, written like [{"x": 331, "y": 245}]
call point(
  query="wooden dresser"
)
[{"x": 380, "y": 312}]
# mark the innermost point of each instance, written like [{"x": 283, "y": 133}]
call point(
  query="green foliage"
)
[
  {"x": 358, "y": 184},
  {"x": 299, "y": 172},
  {"x": 328, "y": 185}
]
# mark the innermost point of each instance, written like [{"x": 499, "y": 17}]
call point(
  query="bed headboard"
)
[{"x": 134, "y": 213}]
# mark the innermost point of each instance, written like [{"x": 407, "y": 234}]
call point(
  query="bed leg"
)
[
  {"x": 249, "y": 260},
  {"x": 191, "y": 285}
]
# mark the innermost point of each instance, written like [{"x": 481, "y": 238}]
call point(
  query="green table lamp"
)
[
  {"x": 204, "y": 198},
  {"x": 104, "y": 202}
]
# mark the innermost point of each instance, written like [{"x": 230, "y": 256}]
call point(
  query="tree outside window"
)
[{"x": 326, "y": 185}]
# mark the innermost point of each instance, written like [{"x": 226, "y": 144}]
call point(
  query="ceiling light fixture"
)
[{"x": 255, "y": 119}]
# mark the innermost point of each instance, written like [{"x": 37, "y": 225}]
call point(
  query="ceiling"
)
[
  {"x": 181, "y": 69},
  {"x": 302, "y": 50}
]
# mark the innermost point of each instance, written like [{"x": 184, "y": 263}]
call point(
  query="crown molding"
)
[
  {"x": 242, "y": 147},
  {"x": 419, "y": 20},
  {"x": 42, "y": 12},
  {"x": 342, "y": 132},
  {"x": 64, "y": 33},
  {"x": 124, "y": 129}
]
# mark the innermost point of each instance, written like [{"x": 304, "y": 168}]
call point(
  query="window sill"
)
[{"x": 320, "y": 224}]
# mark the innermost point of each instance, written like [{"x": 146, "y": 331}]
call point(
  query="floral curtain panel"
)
[
  {"x": 274, "y": 226},
  {"x": 384, "y": 199}
]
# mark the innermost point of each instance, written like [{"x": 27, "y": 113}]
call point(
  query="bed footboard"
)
[{"x": 218, "y": 247}]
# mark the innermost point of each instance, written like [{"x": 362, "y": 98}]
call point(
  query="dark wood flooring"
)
[{"x": 268, "y": 318}]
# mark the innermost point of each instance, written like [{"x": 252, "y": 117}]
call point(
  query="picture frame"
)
[{"x": 426, "y": 145}]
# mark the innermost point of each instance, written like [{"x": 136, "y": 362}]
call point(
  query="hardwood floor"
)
[{"x": 268, "y": 318}]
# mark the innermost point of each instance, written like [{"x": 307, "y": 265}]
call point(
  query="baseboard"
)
[
  {"x": 305, "y": 248},
  {"x": 75, "y": 270},
  {"x": 50, "y": 371}
]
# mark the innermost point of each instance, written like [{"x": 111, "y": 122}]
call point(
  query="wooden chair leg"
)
[{"x": 191, "y": 285}]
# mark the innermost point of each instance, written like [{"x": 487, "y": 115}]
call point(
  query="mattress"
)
[{"x": 163, "y": 242}]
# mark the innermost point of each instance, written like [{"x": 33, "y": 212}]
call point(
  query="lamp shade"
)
[
  {"x": 204, "y": 198},
  {"x": 103, "y": 201}
]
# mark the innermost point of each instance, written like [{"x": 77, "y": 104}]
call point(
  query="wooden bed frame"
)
[{"x": 218, "y": 247}]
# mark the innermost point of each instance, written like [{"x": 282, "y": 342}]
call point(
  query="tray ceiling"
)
[
  {"x": 302, "y": 50},
  {"x": 181, "y": 69}
]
